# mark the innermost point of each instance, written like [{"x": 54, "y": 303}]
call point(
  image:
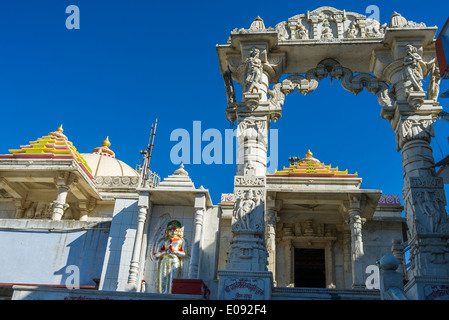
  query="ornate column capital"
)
[
  {"x": 85, "y": 207},
  {"x": 65, "y": 180},
  {"x": 249, "y": 59}
]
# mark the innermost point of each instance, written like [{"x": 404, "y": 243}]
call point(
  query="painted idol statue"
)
[{"x": 170, "y": 254}]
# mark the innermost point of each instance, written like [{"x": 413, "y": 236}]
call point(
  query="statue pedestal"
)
[
  {"x": 190, "y": 286},
  {"x": 241, "y": 285}
]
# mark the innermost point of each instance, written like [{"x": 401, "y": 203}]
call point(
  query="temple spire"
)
[{"x": 104, "y": 149}]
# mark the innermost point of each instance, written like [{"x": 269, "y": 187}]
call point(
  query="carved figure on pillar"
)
[
  {"x": 230, "y": 93},
  {"x": 356, "y": 222},
  {"x": 434, "y": 83},
  {"x": 413, "y": 68},
  {"x": 253, "y": 72},
  {"x": 171, "y": 254},
  {"x": 247, "y": 205}
]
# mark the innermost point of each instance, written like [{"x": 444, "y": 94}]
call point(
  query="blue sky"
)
[{"x": 133, "y": 61}]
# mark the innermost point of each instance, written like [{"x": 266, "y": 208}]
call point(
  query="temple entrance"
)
[{"x": 310, "y": 268}]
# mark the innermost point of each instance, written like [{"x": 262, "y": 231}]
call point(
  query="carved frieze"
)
[
  {"x": 423, "y": 182},
  {"x": 307, "y": 230},
  {"x": 42, "y": 210},
  {"x": 329, "y": 24},
  {"x": 116, "y": 182}
]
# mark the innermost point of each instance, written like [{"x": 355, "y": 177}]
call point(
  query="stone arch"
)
[
  {"x": 330, "y": 67},
  {"x": 389, "y": 61}
]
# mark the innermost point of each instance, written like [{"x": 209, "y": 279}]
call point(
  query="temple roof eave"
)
[
  {"x": 309, "y": 180},
  {"x": 176, "y": 196},
  {"x": 338, "y": 196},
  {"x": 44, "y": 170}
]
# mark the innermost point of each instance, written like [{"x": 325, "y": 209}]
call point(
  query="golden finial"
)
[
  {"x": 104, "y": 149},
  {"x": 58, "y": 133},
  {"x": 309, "y": 154},
  {"x": 106, "y": 142}
]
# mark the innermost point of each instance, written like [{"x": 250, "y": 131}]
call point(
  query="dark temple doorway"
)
[{"x": 310, "y": 268}]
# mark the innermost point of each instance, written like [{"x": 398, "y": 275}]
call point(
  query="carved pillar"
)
[
  {"x": 355, "y": 222},
  {"x": 21, "y": 206},
  {"x": 247, "y": 250},
  {"x": 347, "y": 266},
  {"x": 314, "y": 19},
  {"x": 85, "y": 207},
  {"x": 362, "y": 26},
  {"x": 200, "y": 208},
  {"x": 270, "y": 236},
  {"x": 63, "y": 182},
  {"x": 143, "y": 204},
  {"x": 339, "y": 19},
  {"x": 254, "y": 68},
  {"x": 411, "y": 118},
  {"x": 84, "y": 213},
  {"x": 289, "y": 276},
  {"x": 330, "y": 283}
]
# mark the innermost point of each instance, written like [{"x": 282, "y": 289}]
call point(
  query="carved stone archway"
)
[{"x": 389, "y": 61}]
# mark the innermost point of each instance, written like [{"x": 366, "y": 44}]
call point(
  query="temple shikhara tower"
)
[{"x": 77, "y": 225}]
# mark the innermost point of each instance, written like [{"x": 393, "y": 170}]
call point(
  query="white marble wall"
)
[{"x": 120, "y": 245}]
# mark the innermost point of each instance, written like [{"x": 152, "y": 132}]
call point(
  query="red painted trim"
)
[
  {"x": 45, "y": 285},
  {"x": 317, "y": 175},
  {"x": 441, "y": 57}
]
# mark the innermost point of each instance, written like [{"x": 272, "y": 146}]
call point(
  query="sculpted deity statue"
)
[
  {"x": 413, "y": 68},
  {"x": 253, "y": 72},
  {"x": 170, "y": 255},
  {"x": 434, "y": 83},
  {"x": 248, "y": 209},
  {"x": 326, "y": 32},
  {"x": 245, "y": 206},
  {"x": 352, "y": 31},
  {"x": 303, "y": 33}
]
